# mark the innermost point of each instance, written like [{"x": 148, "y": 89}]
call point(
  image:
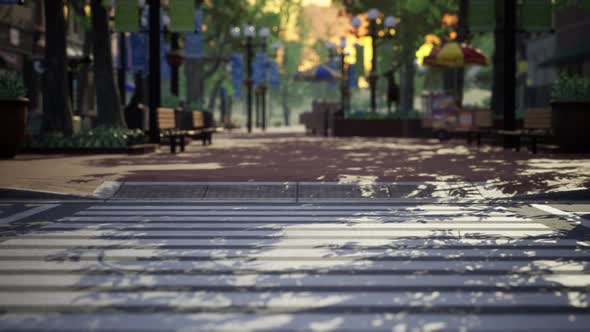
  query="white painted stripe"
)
[
  {"x": 293, "y": 207},
  {"x": 289, "y": 254},
  {"x": 271, "y": 219},
  {"x": 291, "y": 213},
  {"x": 319, "y": 265},
  {"x": 197, "y": 183},
  {"x": 291, "y": 300},
  {"x": 377, "y": 234},
  {"x": 107, "y": 189},
  {"x": 294, "y": 321},
  {"x": 303, "y": 243},
  {"x": 566, "y": 215},
  {"x": 291, "y": 280},
  {"x": 30, "y": 212},
  {"x": 310, "y": 226}
]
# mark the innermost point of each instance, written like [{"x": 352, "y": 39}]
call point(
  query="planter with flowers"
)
[
  {"x": 571, "y": 113},
  {"x": 13, "y": 110}
]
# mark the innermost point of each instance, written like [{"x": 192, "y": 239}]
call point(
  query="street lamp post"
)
[
  {"x": 374, "y": 32},
  {"x": 341, "y": 53},
  {"x": 154, "y": 66},
  {"x": 250, "y": 45}
]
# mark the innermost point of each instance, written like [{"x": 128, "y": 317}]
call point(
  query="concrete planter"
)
[
  {"x": 379, "y": 128},
  {"x": 571, "y": 125},
  {"x": 12, "y": 125}
]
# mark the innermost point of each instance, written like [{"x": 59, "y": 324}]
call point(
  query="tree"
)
[
  {"x": 416, "y": 19},
  {"x": 57, "y": 111},
  {"x": 108, "y": 103}
]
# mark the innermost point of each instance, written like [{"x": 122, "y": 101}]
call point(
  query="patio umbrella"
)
[
  {"x": 320, "y": 73},
  {"x": 456, "y": 55}
]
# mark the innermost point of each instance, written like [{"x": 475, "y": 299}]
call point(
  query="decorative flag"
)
[
  {"x": 259, "y": 69},
  {"x": 537, "y": 15},
  {"x": 139, "y": 52},
  {"x": 164, "y": 66},
  {"x": 352, "y": 78},
  {"x": 126, "y": 16},
  {"x": 334, "y": 64},
  {"x": 360, "y": 60},
  {"x": 181, "y": 15},
  {"x": 237, "y": 73},
  {"x": 482, "y": 15},
  {"x": 274, "y": 75},
  {"x": 193, "y": 41}
]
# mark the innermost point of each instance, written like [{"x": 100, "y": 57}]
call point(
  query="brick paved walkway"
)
[{"x": 279, "y": 157}]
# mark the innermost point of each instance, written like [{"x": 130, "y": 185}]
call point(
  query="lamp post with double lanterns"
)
[
  {"x": 250, "y": 44},
  {"x": 378, "y": 29}
]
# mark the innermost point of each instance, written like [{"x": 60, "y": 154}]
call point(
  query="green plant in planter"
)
[
  {"x": 11, "y": 87},
  {"x": 571, "y": 88},
  {"x": 100, "y": 137}
]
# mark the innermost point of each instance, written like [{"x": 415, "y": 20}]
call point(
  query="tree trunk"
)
[
  {"x": 407, "y": 73},
  {"x": 57, "y": 110},
  {"x": 285, "y": 102},
  {"x": 108, "y": 102},
  {"x": 213, "y": 96},
  {"x": 84, "y": 79},
  {"x": 194, "y": 80}
]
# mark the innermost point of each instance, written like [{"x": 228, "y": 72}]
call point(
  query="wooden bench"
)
[
  {"x": 537, "y": 124},
  {"x": 483, "y": 123},
  {"x": 202, "y": 127},
  {"x": 167, "y": 125}
]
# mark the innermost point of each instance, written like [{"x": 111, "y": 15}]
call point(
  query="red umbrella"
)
[{"x": 456, "y": 55}]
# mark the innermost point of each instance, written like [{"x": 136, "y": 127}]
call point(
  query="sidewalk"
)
[{"x": 293, "y": 156}]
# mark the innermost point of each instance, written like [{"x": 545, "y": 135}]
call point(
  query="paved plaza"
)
[
  {"x": 290, "y": 155},
  {"x": 291, "y": 232}
]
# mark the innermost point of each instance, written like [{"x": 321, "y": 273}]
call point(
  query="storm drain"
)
[{"x": 297, "y": 191}]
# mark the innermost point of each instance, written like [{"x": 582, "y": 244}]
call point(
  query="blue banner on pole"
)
[
  {"x": 139, "y": 52},
  {"x": 237, "y": 73},
  {"x": 352, "y": 78},
  {"x": 334, "y": 64},
  {"x": 275, "y": 81},
  {"x": 164, "y": 66},
  {"x": 259, "y": 70},
  {"x": 193, "y": 41}
]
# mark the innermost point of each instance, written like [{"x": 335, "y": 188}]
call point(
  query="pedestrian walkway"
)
[{"x": 338, "y": 265}]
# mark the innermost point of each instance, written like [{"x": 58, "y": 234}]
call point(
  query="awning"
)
[{"x": 568, "y": 56}]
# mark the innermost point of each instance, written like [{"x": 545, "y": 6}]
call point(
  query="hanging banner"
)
[
  {"x": 360, "y": 60},
  {"x": 164, "y": 66},
  {"x": 259, "y": 69},
  {"x": 482, "y": 15},
  {"x": 274, "y": 79},
  {"x": 181, "y": 15},
  {"x": 193, "y": 41},
  {"x": 352, "y": 78},
  {"x": 237, "y": 73},
  {"x": 126, "y": 16},
  {"x": 139, "y": 52},
  {"x": 537, "y": 15}
]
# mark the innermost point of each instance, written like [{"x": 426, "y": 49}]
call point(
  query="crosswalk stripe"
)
[
  {"x": 238, "y": 266},
  {"x": 298, "y": 254},
  {"x": 291, "y": 213},
  {"x": 319, "y": 233},
  {"x": 292, "y": 219},
  {"x": 300, "y": 280},
  {"x": 291, "y": 226},
  {"x": 463, "y": 243},
  {"x": 232, "y": 266}
]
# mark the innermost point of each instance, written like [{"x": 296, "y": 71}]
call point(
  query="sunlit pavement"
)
[
  {"x": 294, "y": 256},
  {"x": 290, "y": 232},
  {"x": 293, "y": 156}
]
